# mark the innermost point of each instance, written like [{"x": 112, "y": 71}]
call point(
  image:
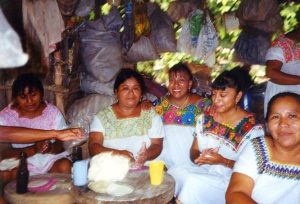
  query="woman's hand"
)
[
  {"x": 141, "y": 158},
  {"x": 43, "y": 146},
  {"x": 69, "y": 134},
  {"x": 209, "y": 156}
]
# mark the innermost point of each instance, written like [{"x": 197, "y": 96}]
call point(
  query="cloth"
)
[
  {"x": 255, "y": 161},
  {"x": 208, "y": 183},
  {"x": 285, "y": 50},
  {"x": 51, "y": 118},
  {"x": 179, "y": 124},
  {"x": 128, "y": 133},
  {"x": 42, "y": 163}
]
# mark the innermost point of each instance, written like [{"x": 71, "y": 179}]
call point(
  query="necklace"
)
[{"x": 183, "y": 104}]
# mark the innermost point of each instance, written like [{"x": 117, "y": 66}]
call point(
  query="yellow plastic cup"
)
[{"x": 156, "y": 171}]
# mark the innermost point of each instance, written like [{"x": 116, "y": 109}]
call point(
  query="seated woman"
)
[
  {"x": 268, "y": 169},
  {"x": 125, "y": 127},
  {"x": 28, "y": 109},
  {"x": 179, "y": 109},
  {"x": 221, "y": 133}
]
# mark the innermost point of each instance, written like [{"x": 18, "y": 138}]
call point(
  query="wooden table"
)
[
  {"x": 60, "y": 194},
  {"x": 143, "y": 193}
]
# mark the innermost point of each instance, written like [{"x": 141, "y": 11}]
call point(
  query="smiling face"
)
[
  {"x": 129, "y": 93},
  {"x": 225, "y": 100},
  {"x": 29, "y": 101},
  {"x": 284, "y": 121},
  {"x": 179, "y": 84}
]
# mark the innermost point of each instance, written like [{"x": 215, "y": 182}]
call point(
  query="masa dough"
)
[
  {"x": 108, "y": 167},
  {"x": 105, "y": 169}
]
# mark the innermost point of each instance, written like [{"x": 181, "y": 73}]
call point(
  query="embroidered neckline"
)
[
  {"x": 172, "y": 114},
  {"x": 125, "y": 127},
  {"x": 267, "y": 166},
  {"x": 234, "y": 136}
]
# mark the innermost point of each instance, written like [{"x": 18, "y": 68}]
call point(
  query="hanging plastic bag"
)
[
  {"x": 141, "y": 20},
  {"x": 127, "y": 36},
  {"x": 251, "y": 46},
  {"x": 142, "y": 50},
  {"x": 261, "y": 14},
  {"x": 100, "y": 47},
  {"x": 11, "y": 53},
  {"x": 162, "y": 32},
  {"x": 84, "y": 7},
  {"x": 207, "y": 40}
]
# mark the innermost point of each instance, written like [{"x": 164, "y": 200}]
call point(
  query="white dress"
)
[
  {"x": 286, "y": 51},
  {"x": 275, "y": 182},
  {"x": 208, "y": 183},
  {"x": 128, "y": 133},
  {"x": 179, "y": 124}
]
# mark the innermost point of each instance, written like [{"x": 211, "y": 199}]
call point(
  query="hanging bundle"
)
[{"x": 197, "y": 40}]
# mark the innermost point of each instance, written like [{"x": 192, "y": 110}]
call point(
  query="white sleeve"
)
[
  {"x": 60, "y": 122},
  {"x": 246, "y": 162},
  {"x": 96, "y": 125},
  {"x": 199, "y": 126},
  {"x": 275, "y": 53},
  {"x": 157, "y": 130}
]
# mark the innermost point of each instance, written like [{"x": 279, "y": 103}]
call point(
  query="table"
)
[
  {"x": 143, "y": 193},
  {"x": 59, "y": 195}
]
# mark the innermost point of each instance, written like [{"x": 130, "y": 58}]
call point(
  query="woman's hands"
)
[
  {"x": 141, "y": 158},
  {"x": 210, "y": 156}
]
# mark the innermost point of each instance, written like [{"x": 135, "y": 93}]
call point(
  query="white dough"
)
[{"x": 108, "y": 167}]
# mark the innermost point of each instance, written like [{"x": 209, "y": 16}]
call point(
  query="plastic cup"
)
[{"x": 156, "y": 171}]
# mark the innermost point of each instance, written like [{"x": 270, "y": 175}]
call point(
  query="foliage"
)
[{"x": 224, "y": 53}]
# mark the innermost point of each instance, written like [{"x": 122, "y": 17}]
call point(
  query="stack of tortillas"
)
[{"x": 105, "y": 171}]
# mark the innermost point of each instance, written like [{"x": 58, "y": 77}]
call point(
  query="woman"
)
[
  {"x": 220, "y": 134},
  {"x": 283, "y": 61},
  {"x": 178, "y": 110},
  {"x": 125, "y": 127},
  {"x": 28, "y": 109},
  {"x": 268, "y": 170}
]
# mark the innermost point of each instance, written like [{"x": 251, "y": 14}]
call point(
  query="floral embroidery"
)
[
  {"x": 127, "y": 127},
  {"x": 266, "y": 166},
  {"x": 287, "y": 45},
  {"x": 233, "y": 135},
  {"x": 174, "y": 115}
]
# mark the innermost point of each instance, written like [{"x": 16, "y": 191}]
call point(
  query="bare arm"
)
[
  {"x": 96, "y": 146},
  {"x": 273, "y": 71},
  {"x": 240, "y": 189},
  {"x": 27, "y": 135},
  {"x": 194, "y": 151},
  {"x": 155, "y": 148}
]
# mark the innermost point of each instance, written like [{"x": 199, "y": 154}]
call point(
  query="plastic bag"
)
[
  {"x": 261, "y": 14},
  {"x": 100, "y": 47},
  {"x": 142, "y": 50},
  {"x": 141, "y": 20},
  {"x": 251, "y": 46},
  {"x": 11, "y": 53},
  {"x": 89, "y": 84},
  {"x": 84, "y": 7},
  {"x": 128, "y": 33},
  {"x": 207, "y": 39},
  {"x": 178, "y": 10},
  {"x": 162, "y": 32}
]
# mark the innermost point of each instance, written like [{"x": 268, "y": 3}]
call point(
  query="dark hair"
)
[
  {"x": 180, "y": 67},
  {"x": 30, "y": 81},
  {"x": 125, "y": 74},
  {"x": 237, "y": 78},
  {"x": 281, "y": 95}
]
